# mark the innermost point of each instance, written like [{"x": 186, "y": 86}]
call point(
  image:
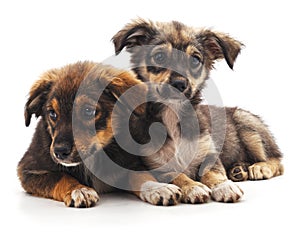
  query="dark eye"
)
[
  {"x": 195, "y": 61},
  {"x": 88, "y": 113},
  {"x": 160, "y": 57},
  {"x": 52, "y": 115}
]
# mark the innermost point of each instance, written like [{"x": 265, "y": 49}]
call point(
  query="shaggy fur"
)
[
  {"x": 67, "y": 153},
  {"x": 231, "y": 140}
]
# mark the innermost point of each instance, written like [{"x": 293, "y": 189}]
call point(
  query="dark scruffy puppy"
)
[
  {"x": 73, "y": 151},
  {"x": 181, "y": 56}
]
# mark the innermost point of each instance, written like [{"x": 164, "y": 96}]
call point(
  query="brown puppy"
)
[
  {"x": 182, "y": 56},
  {"x": 73, "y": 152}
]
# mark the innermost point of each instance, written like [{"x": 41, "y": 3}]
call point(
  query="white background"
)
[{"x": 38, "y": 35}]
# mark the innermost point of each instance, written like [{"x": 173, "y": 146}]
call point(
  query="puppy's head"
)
[
  {"x": 175, "y": 54},
  {"x": 76, "y": 103}
]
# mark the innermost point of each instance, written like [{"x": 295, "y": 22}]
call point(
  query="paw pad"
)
[{"x": 238, "y": 173}]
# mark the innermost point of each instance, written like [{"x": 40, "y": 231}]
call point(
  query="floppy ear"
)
[
  {"x": 37, "y": 97},
  {"x": 135, "y": 98},
  {"x": 219, "y": 46},
  {"x": 137, "y": 33}
]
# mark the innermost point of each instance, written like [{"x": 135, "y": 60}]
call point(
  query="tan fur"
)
[
  {"x": 64, "y": 187},
  {"x": 213, "y": 178},
  {"x": 179, "y": 44},
  {"x": 182, "y": 180},
  {"x": 254, "y": 144},
  {"x": 55, "y": 106},
  {"x": 136, "y": 180},
  {"x": 104, "y": 136},
  {"x": 266, "y": 170},
  {"x": 192, "y": 191},
  {"x": 247, "y": 140}
]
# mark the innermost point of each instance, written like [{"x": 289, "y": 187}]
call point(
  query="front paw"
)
[
  {"x": 195, "y": 193},
  {"x": 160, "y": 193},
  {"x": 227, "y": 192},
  {"x": 81, "y": 198}
]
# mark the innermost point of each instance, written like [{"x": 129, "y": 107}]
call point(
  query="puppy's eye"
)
[
  {"x": 160, "y": 57},
  {"x": 52, "y": 115},
  {"x": 195, "y": 61},
  {"x": 88, "y": 113}
]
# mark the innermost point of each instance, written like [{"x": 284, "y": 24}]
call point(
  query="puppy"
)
[
  {"x": 240, "y": 146},
  {"x": 73, "y": 156}
]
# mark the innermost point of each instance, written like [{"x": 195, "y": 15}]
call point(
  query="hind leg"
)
[
  {"x": 263, "y": 167},
  {"x": 255, "y": 152},
  {"x": 239, "y": 172},
  {"x": 263, "y": 157},
  {"x": 265, "y": 170},
  {"x": 243, "y": 171}
]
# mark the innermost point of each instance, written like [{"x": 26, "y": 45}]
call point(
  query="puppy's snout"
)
[
  {"x": 179, "y": 84},
  {"x": 62, "y": 151}
]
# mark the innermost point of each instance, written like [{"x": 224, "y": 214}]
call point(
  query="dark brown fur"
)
[
  {"x": 249, "y": 150},
  {"x": 75, "y": 130}
]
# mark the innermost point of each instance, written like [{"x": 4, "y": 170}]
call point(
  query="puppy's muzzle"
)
[
  {"x": 62, "y": 151},
  {"x": 179, "y": 84}
]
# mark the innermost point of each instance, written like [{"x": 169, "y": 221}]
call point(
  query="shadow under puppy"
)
[
  {"x": 241, "y": 146},
  {"x": 73, "y": 155}
]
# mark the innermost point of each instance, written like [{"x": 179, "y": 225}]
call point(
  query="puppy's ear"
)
[
  {"x": 37, "y": 97},
  {"x": 137, "y": 33},
  {"x": 219, "y": 46},
  {"x": 135, "y": 98}
]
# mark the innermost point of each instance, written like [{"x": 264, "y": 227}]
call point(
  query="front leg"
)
[
  {"x": 213, "y": 175},
  {"x": 74, "y": 194},
  {"x": 146, "y": 187},
  {"x": 192, "y": 191},
  {"x": 58, "y": 186}
]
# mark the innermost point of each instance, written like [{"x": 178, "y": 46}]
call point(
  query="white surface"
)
[{"x": 39, "y": 35}]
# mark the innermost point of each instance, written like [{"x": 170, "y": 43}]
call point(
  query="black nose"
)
[
  {"x": 62, "y": 151},
  {"x": 179, "y": 84}
]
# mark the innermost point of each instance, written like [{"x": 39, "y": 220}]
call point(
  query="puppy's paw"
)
[
  {"x": 259, "y": 171},
  {"x": 160, "y": 193},
  {"x": 227, "y": 192},
  {"x": 195, "y": 193},
  {"x": 81, "y": 197},
  {"x": 238, "y": 173}
]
